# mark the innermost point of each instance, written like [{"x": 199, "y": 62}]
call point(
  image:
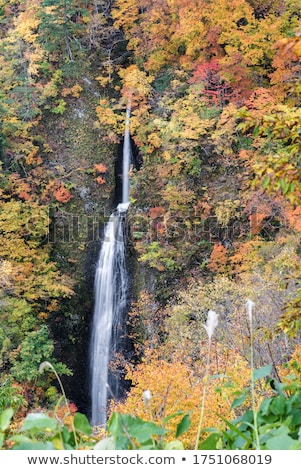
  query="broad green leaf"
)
[
  {"x": 183, "y": 425},
  {"x": 174, "y": 445},
  {"x": 211, "y": 443},
  {"x": 35, "y": 422},
  {"x": 25, "y": 443},
  {"x": 1, "y": 439},
  {"x": 238, "y": 401},
  {"x": 265, "y": 406},
  {"x": 34, "y": 446},
  {"x": 169, "y": 417},
  {"x": 262, "y": 372},
  {"x": 143, "y": 431},
  {"x": 106, "y": 444},
  {"x": 277, "y": 405},
  {"x": 114, "y": 424},
  {"x": 5, "y": 418},
  {"x": 82, "y": 424},
  {"x": 282, "y": 442}
]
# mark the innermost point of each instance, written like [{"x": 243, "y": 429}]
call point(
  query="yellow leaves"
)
[
  {"x": 154, "y": 140},
  {"x": 224, "y": 136},
  {"x": 6, "y": 274},
  {"x": 125, "y": 14},
  {"x": 103, "y": 81},
  {"x": 26, "y": 270},
  {"x": 107, "y": 117},
  {"x": 28, "y": 21},
  {"x": 227, "y": 210},
  {"x": 136, "y": 83},
  {"x": 73, "y": 91},
  {"x": 177, "y": 196},
  {"x": 174, "y": 387},
  {"x": 50, "y": 10},
  {"x": 33, "y": 157}
]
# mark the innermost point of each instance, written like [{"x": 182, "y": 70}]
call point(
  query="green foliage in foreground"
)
[{"x": 278, "y": 426}]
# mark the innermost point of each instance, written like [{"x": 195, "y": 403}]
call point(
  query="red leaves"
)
[{"x": 216, "y": 89}]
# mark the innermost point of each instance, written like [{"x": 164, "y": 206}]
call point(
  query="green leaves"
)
[
  {"x": 5, "y": 419},
  {"x": 131, "y": 432},
  {"x": 183, "y": 426},
  {"x": 81, "y": 424},
  {"x": 42, "y": 432},
  {"x": 262, "y": 372},
  {"x": 239, "y": 401},
  {"x": 36, "y": 422}
]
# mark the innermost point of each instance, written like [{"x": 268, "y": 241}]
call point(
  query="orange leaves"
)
[
  {"x": 100, "y": 168},
  {"x": 100, "y": 180},
  {"x": 290, "y": 44},
  {"x": 21, "y": 187},
  {"x": 245, "y": 256},
  {"x": 218, "y": 259},
  {"x": 294, "y": 218},
  {"x": 287, "y": 66},
  {"x": 155, "y": 212},
  {"x": 62, "y": 194}
]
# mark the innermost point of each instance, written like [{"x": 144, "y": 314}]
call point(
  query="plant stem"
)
[
  {"x": 48, "y": 364},
  {"x": 204, "y": 396},
  {"x": 253, "y": 385}
]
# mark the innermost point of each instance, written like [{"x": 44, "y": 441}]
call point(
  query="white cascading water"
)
[{"x": 110, "y": 292}]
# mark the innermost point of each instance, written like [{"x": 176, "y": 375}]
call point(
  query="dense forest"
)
[{"x": 213, "y": 225}]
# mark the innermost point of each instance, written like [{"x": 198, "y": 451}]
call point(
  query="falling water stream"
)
[{"x": 110, "y": 294}]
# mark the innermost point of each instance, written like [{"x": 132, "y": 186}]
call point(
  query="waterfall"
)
[
  {"x": 110, "y": 294},
  {"x": 126, "y": 158}
]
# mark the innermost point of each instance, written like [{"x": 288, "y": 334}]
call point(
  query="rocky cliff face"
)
[{"x": 79, "y": 157}]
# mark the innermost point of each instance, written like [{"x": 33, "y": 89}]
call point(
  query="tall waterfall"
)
[{"x": 110, "y": 292}]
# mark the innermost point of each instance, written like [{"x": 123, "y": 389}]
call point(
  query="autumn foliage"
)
[{"x": 214, "y": 89}]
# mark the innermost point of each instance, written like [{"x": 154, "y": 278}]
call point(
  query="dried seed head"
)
[
  {"x": 211, "y": 324},
  {"x": 146, "y": 397},
  {"x": 250, "y": 306}
]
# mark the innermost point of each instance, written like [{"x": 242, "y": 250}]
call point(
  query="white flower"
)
[
  {"x": 250, "y": 306},
  {"x": 212, "y": 322},
  {"x": 146, "y": 397}
]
